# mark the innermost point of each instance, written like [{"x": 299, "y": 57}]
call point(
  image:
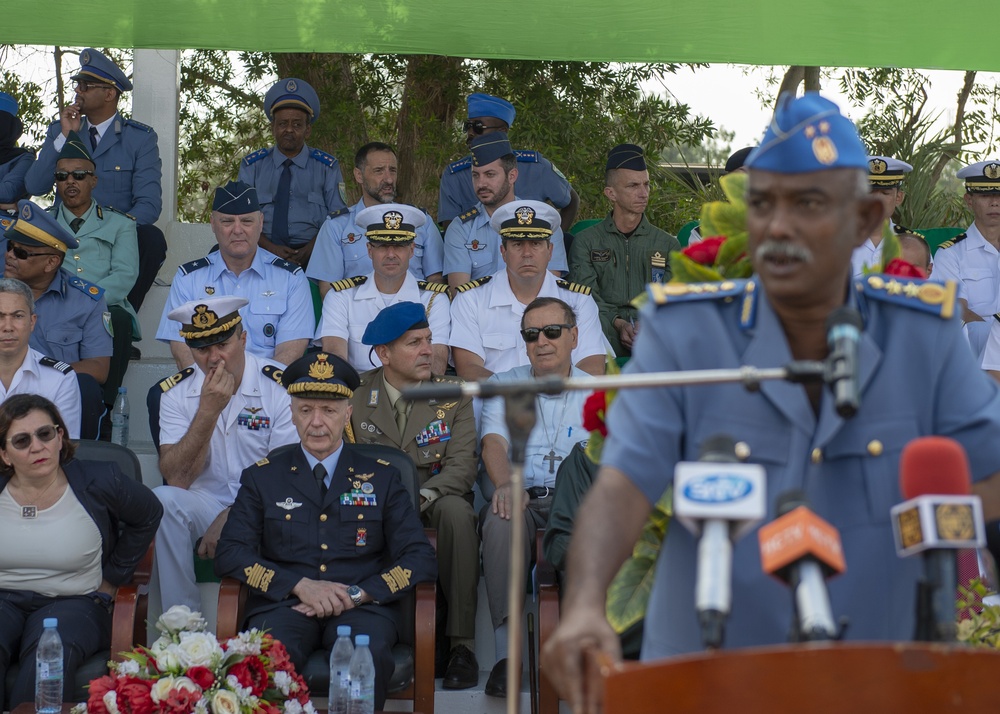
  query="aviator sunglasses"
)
[
  {"x": 552, "y": 332},
  {"x": 45, "y": 434},
  {"x": 20, "y": 253},
  {"x": 477, "y": 127},
  {"x": 77, "y": 175}
]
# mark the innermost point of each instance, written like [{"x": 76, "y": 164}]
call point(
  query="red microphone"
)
[{"x": 939, "y": 518}]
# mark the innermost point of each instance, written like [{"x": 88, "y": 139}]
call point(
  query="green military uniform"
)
[
  {"x": 617, "y": 269},
  {"x": 440, "y": 437}
]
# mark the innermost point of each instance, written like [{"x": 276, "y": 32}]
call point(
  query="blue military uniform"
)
[
  {"x": 14, "y": 160},
  {"x": 341, "y": 249},
  {"x": 280, "y": 306},
  {"x": 73, "y": 320},
  {"x": 848, "y": 469}
]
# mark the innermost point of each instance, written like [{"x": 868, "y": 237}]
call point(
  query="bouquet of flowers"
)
[{"x": 188, "y": 671}]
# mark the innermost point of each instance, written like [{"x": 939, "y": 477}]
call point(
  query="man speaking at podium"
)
[{"x": 808, "y": 207}]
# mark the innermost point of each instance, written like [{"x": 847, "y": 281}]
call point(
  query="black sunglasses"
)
[
  {"x": 21, "y": 254},
  {"x": 84, "y": 86},
  {"x": 78, "y": 175},
  {"x": 477, "y": 127},
  {"x": 45, "y": 434},
  {"x": 552, "y": 332}
]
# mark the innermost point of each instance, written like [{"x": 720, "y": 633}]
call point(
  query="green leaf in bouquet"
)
[
  {"x": 719, "y": 218},
  {"x": 685, "y": 270},
  {"x": 730, "y": 252},
  {"x": 890, "y": 245},
  {"x": 734, "y": 185},
  {"x": 742, "y": 268}
]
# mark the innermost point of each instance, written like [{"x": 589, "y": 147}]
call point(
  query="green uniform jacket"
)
[{"x": 617, "y": 269}]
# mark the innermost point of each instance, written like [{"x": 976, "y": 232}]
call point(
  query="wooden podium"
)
[{"x": 819, "y": 678}]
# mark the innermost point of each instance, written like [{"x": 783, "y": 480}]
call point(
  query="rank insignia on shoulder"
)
[
  {"x": 348, "y": 283},
  {"x": 664, "y": 293},
  {"x": 138, "y": 125},
  {"x": 262, "y": 462},
  {"x": 120, "y": 213},
  {"x": 323, "y": 157},
  {"x": 289, "y": 266},
  {"x": 957, "y": 239},
  {"x": 272, "y": 372},
  {"x": 91, "y": 290},
  {"x": 923, "y": 295},
  {"x": 338, "y": 212},
  {"x": 172, "y": 381},
  {"x": 383, "y": 462},
  {"x": 460, "y": 165},
  {"x": 469, "y": 215},
  {"x": 433, "y": 287},
  {"x": 478, "y": 282},
  {"x": 193, "y": 265},
  {"x": 55, "y": 364},
  {"x": 573, "y": 287},
  {"x": 256, "y": 156},
  {"x": 530, "y": 157}
]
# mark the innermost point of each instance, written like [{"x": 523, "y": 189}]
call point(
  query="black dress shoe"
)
[
  {"x": 496, "y": 685},
  {"x": 463, "y": 669}
]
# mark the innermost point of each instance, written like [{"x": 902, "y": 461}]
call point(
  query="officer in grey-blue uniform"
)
[
  {"x": 126, "y": 155},
  {"x": 319, "y": 521},
  {"x": 537, "y": 178},
  {"x": 14, "y": 160},
  {"x": 808, "y": 207},
  {"x": 297, "y": 185},
  {"x": 471, "y": 244}
]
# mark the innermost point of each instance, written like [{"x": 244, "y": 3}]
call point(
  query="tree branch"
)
[
  {"x": 235, "y": 93},
  {"x": 949, "y": 154}
]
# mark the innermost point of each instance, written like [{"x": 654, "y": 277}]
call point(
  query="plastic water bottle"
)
[
  {"x": 340, "y": 671},
  {"x": 362, "y": 678},
  {"x": 119, "y": 418},
  {"x": 49, "y": 669}
]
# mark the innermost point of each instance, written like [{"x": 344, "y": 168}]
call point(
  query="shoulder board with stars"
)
[
  {"x": 290, "y": 267},
  {"x": 433, "y": 287},
  {"x": 272, "y": 372},
  {"x": 256, "y": 156},
  {"x": 91, "y": 290},
  {"x": 530, "y": 157},
  {"x": 338, "y": 212},
  {"x": 460, "y": 165},
  {"x": 448, "y": 379},
  {"x": 323, "y": 157},
  {"x": 923, "y": 295},
  {"x": 957, "y": 239},
  {"x": 190, "y": 267},
  {"x": 474, "y": 283},
  {"x": 262, "y": 462},
  {"x": 669, "y": 293},
  {"x": 139, "y": 125},
  {"x": 469, "y": 215},
  {"x": 348, "y": 283},
  {"x": 120, "y": 213},
  {"x": 900, "y": 230},
  {"x": 573, "y": 287},
  {"x": 6, "y": 222},
  {"x": 172, "y": 381},
  {"x": 55, "y": 364}
]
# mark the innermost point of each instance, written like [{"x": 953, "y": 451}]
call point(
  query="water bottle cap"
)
[
  {"x": 343, "y": 630},
  {"x": 123, "y": 390},
  {"x": 361, "y": 640},
  {"x": 50, "y": 622}
]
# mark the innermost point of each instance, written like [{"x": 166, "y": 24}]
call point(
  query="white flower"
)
[
  {"x": 168, "y": 659},
  {"x": 111, "y": 702},
  {"x": 80, "y": 708},
  {"x": 282, "y": 681},
  {"x": 225, "y": 702},
  {"x": 201, "y": 706},
  {"x": 198, "y": 648},
  {"x": 126, "y": 667},
  {"x": 245, "y": 643},
  {"x": 309, "y": 708},
  {"x": 292, "y": 706},
  {"x": 163, "y": 686},
  {"x": 234, "y": 685},
  {"x": 180, "y": 618}
]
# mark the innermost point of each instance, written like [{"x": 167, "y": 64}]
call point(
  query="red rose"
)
[
  {"x": 898, "y": 266},
  {"x": 134, "y": 698},
  {"x": 179, "y": 701},
  {"x": 705, "y": 251},
  {"x": 98, "y": 688},
  {"x": 251, "y": 673},
  {"x": 202, "y": 676},
  {"x": 594, "y": 412}
]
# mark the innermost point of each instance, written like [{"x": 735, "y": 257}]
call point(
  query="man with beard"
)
[
  {"x": 296, "y": 185},
  {"x": 808, "y": 207},
  {"x": 341, "y": 248},
  {"x": 471, "y": 244}
]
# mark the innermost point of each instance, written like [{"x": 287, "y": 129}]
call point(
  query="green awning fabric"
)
[{"x": 918, "y": 33}]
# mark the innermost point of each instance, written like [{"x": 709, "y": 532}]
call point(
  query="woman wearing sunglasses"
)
[{"x": 74, "y": 530}]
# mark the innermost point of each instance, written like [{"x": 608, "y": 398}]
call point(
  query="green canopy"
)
[{"x": 919, "y": 33}]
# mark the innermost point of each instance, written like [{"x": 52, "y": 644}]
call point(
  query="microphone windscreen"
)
[
  {"x": 934, "y": 465},
  {"x": 846, "y": 316}
]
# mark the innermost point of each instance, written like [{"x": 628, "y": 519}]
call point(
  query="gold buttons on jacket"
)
[
  {"x": 875, "y": 447},
  {"x": 323, "y": 546},
  {"x": 361, "y": 516},
  {"x": 288, "y": 516},
  {"x": 322, "y": 517},
  {"x": 742, "y": 450},
  {"x": 817, "y": 455},
  {"x": 322, "y": 568}
]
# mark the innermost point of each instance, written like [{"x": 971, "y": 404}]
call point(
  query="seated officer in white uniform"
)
[
  {"x": 354, "y": 302},
  {"x": 885, "y": 177},
  {"x": 216, "y": 418},
  {"x": 548, "y": 327},
  {"x": 487, "y": 312}
]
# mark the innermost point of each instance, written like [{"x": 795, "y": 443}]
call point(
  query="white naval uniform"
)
[
  {"x": 57, "y": 383},
  {"x": 486, "y": 320},
  {"x": 240, "y": 438},
  {"x": 347, "y": 312}
]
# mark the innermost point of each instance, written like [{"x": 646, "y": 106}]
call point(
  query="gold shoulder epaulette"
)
[
  {"x": 957, "y": 239},
  {"x": 262, "y": 462},
  {"x": 469, "y": 215},
  {"x": 272, "y": 372},
  {"x": 669, "y": 293},
  {"x": 433, "y": 287},
  {"x": 171, "y": 382},
  {"x": 573, "y": 287},
  {"x": 915, "y": 293},
  {"x": 474, "y": 283},
  {"x": 348, "y": 283}
]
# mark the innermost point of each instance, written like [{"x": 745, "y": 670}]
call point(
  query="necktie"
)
[
  {"x": 401, "y": 407},
  {"x": 75, "y": 224},
  {"x": 279, "y": 224},
  {"x": 93, "y": 138},
  {"x": 319, "y": 472}
]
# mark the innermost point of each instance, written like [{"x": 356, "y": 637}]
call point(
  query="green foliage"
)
[
  {"x": 720, "y": 218},
  {"x": 980, "y": 629}
]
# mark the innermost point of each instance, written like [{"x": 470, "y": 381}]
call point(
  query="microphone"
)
[
  {"x": 719, "y": 500},
  {"x": 802, "y": 550},
  {"x": 939, "y": 518},
  {"x": 843, "y": 332}
]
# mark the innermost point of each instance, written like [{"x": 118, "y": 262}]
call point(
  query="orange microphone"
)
[{"x": 802, "y": 550}]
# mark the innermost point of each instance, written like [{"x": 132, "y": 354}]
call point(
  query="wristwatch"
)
[{"x": 355, "y": 593}]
